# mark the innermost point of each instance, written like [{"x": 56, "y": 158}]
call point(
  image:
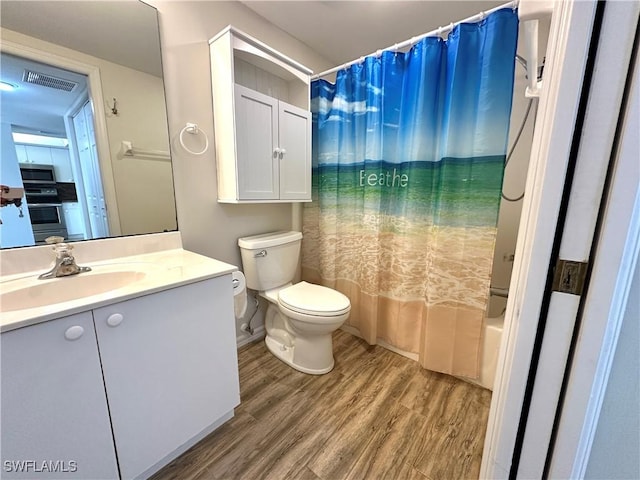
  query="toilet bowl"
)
[{"x": 301, "y": 317}]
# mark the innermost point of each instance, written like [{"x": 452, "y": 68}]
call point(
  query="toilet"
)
[{"x": 300, "y": 318}]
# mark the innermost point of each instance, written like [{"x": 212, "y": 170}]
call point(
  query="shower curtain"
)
[{"x": 408, "y": 160}]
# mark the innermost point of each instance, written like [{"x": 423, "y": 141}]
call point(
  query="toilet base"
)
[{"x": 287, "y": 355}]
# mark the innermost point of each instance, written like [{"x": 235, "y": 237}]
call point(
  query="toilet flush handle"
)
[{"x": 261, "y": 253}]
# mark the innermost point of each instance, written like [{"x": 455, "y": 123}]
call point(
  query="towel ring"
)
[{"x": 193, "y": 129}]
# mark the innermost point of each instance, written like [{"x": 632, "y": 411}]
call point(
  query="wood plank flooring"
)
[{"x": 377, "y": 415}]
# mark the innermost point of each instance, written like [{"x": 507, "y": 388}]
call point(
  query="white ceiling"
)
[{"x": 342, "y": 31}]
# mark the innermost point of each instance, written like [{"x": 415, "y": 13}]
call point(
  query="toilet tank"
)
[{"x": 270, "y": 260}]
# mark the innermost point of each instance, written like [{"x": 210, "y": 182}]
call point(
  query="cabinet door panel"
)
[
  {"x": 256, "y": 140},
  {"x": 54, "y": 409},
  {"x": 170, "y": 369},
  {"x": 37, "y": 154},
  {"x": 90, "y": 171},
  {"x": 295, "y": 164},
  {"x": 21, "y": 152},
  {"x": 74, "y": 220},
  {"x": 62, "y": 164}
]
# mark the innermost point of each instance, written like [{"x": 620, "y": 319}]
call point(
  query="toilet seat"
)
[{"x": 313, "y": 300}]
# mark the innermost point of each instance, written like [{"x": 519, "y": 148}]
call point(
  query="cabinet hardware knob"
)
[
  {"x": 73, "y": 333},
  {"x": 115, "y": 319},
  {"x": 277, "y": 153}
]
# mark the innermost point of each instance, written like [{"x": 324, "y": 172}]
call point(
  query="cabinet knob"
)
[
  {"x": 115, "y": 319},
  {"x": 283, "y": 152},
  {"x": 73, "y": 333},
  {"x": 276, "y": 153}
]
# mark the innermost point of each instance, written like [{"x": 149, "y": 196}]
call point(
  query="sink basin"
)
[{"x": 33, "y": 293}]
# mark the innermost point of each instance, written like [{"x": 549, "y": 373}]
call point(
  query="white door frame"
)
[
  {"x": 570, "y": 36},
  {"x": 615, "y": 261},
  {"x": 75, "y": 164},
  {"x": 558, "y": 104},
  {"x": 95, "y": 94}
]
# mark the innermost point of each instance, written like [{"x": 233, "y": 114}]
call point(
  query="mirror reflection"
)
[{"x": 85, "y": 148}]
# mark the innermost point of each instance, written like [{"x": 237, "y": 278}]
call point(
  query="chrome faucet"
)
[{"x": 65, "y": 263}]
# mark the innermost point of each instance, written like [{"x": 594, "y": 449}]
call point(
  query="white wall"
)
[
  {"x": 515, "y": 175},
  {"x": 208, "y": 227},
  {"x": 144, "y": 185},
  {"x": 614, "y": 453},
  {"x": 15, "y": 231}
]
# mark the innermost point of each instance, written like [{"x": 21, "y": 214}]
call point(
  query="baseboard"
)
[{"x": 245, "y": 338}]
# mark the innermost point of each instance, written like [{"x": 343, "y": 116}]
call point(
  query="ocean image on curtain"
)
[{"x": 408, "y": 161}]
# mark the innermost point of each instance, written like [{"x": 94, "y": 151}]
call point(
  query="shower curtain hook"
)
[
  {"x": 378, "y": 53},
  {"x": 439, "y": 32},
  {"x": 361, "y": 60}
]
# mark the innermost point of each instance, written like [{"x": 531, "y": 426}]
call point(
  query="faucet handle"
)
[
  {"x": 59, "y": 246},
  {"x": 54, "y": 239}
]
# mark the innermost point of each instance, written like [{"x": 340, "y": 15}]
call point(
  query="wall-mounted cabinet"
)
[{"x": 262, "y": 121}]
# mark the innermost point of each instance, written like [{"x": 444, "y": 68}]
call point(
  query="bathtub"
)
[
  {"x": 491, "y": 338},
  {"x": 490, "y": 348}
]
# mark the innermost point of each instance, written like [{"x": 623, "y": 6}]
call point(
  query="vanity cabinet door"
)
[
  {"x": 170, "y": 369},
  {"x": 55, "y": 422}
]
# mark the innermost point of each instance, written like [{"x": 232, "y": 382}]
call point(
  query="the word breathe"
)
[{"x": 385, "y": 178}]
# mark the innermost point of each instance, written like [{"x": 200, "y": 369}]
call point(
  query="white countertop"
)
[{"x": 164, "y": 270}]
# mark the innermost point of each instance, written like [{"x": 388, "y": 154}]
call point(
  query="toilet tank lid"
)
[{"x": 267, "y": 240}]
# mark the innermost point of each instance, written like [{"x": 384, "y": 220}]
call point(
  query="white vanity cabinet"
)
[
  {"x": 121, "y": 390},
  {"x": 262, "y": 121},
  {"x": 55, "y": 422},
  {"x": 170, "y": 370}
]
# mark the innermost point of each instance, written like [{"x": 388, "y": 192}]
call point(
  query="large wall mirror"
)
[{"x": 85, "y": 146}]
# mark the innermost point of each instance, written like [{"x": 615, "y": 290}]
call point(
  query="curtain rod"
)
[{"x": 437, "y": 32}]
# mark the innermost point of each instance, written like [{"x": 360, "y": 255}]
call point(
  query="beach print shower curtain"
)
[{"x": 408, "y": 160}]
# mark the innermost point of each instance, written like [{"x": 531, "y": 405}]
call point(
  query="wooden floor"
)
[{"x": 377, "y": 415}]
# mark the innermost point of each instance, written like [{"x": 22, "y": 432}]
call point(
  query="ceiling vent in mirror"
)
[{"x": 48, "y": 81}]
